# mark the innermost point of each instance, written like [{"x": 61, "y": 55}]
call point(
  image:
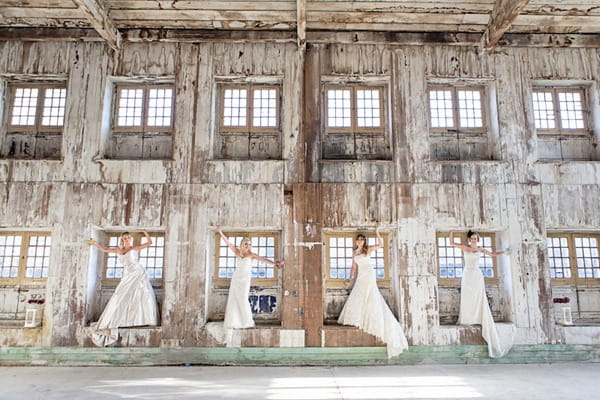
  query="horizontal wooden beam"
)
[{"x": 361, "y": 37}]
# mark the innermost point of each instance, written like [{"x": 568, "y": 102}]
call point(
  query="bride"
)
[
  {"x": 133, "y": 303},
  {"x": 366, "y": 308},
  {"x": 238, "y": 314}
]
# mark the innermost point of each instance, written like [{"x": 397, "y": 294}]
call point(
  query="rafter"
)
[
  {"x": 503, "y": 15},
  {"x": 99, "y": 19}
]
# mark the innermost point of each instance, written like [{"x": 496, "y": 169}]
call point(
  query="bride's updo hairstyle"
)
[
  {"x": 123, "y": 235},
  {"x": 365, "y": 248},
  {"x": 471, "y": 233}
]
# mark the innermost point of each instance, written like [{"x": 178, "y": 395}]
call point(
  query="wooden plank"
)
[
  {"x": 503, "y": 15},
  {"x": 301, "y": 21},
  {"x": 100, "y": 20}
]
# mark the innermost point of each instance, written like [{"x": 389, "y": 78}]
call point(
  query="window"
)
[
  {"x": 456, "y": 109},
  {"x": 559, "y": 110},
  {"x": 142, "y": 121},
  {"x": 265, "y": 244},
  {"x": 24, "y": 257},
  {"x": 35, "y": 120},
  {"x": 355, "y": 122},
  {"x": 249, "y": 121},
  {"x": 339, "y": 249},
  {"x": 354, "y": 109},
  {"x": 450, "y": 259},
  {"x": 573, "y": 258},
  {"x": 152, "y": 257}
]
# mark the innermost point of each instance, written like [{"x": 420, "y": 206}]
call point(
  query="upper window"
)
[
  {"x": 265, "y": 244},
  {"x": 354, "y": 109},
  {"x": 249, "y": 108},
  {"x": 354, "y": 123},
  {"x": 24, "y": 257},
  {"x": 35, "y": 120},
  {"x": 573, "y": 258},
  {"x": 249, "y": 121},
  {"x": 451, "y": 262},
  {"x": 456, "y": 109},
  {"x": 339, "y": 248},
  {"x": 151, "y": 258},
  {"x": 142, "y": 121},
  {"x": 559, "y": 110}
]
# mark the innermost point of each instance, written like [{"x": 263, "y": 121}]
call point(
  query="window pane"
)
[
  {"x": 151, "y": 257},
  {"x": 586, "y": 250},
  {"x": 368, "y": 108},
  {"x": 450, "y": 263},
  {"x": 340, "y": 257},
  {"x": 235, "y": 104},
  {"x": 571, "y": 110},
  {"x": 543, "y": 110},
  {"x": 558, "y": 258},
  {"x": 160, "y": 106},
  {"x": 9, "y": 265},
  {"x": 53, "y": 113},
  {"x": 440, "y": 108},
  {"x": 264, "y": 112},
  {"x": 469, "y": 109},
  {"x": 339, "y": 108},
  {"x": 24, "y": 107},
  {"x": 129, "y": 112}
]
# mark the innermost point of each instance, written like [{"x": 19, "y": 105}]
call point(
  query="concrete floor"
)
[{"x": 514, "y": 382}]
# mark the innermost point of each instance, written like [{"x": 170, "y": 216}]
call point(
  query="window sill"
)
[{"x": 326, "y": 161}]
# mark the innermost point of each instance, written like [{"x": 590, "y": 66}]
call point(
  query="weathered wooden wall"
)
[{"x": 500, "y": 187}]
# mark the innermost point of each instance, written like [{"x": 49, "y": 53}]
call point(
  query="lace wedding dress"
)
[
  {"x": 475, "y": 310},
  {"x": 366, "y": 309},
  {"x": 238, "y": 314},
  {"x": 132, "y": 304}
]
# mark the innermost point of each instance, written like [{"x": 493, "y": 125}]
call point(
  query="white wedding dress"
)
[
  {"x": 132, "y": 304},
  {"x": 366, "y": 309},
  {"x": 238, "y": 314},
  {"x": 475, "y": 310}
]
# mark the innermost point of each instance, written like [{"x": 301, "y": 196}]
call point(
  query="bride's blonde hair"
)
[{"x": 365, "y": 248}]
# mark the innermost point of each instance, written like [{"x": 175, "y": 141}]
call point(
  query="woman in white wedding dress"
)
[
  {"x": 366, "y": 308},
  {"x": 474, "y": 307},
  {"x": 238, "y": 314},
  {"x": 133, "y": 302}
]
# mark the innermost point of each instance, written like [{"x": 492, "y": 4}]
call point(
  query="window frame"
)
[
  {"x": 453, "y": 282},
  {"x": 456, "y": 129},
  {"x": 341, "y": 283},
  {"x": 144, "y": 128},
  {"x": 574, "y": 279},
  {"x": 137, "y": 237},
  {"x": 225, "y": 282},
  {"x": 354, "y": 128},
  {"x": 250, "y": 87},
  {"x": 558, "y": 130},
  {"x": 23, "y": 257},
  {"x": 37, "y": 127}
]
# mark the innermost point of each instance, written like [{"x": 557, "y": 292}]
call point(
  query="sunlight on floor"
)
[
  {"x": 439, "y": 387},
  {"x": 291, "y": 388}
]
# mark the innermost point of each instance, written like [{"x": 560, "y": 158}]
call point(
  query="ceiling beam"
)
[
  {"x": 99, "y": 19},
  {"x": 503, "y": 15}
]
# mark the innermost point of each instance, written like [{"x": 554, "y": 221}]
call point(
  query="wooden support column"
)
[
  {"x": 307, "y": 200},
  {"x": 292, "y": 288}
]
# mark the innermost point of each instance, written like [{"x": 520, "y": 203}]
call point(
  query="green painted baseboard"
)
[{"x": 150, "y": 356}]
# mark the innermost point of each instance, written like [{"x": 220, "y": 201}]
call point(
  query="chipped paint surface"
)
[{"x": 418, "y": 186}]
